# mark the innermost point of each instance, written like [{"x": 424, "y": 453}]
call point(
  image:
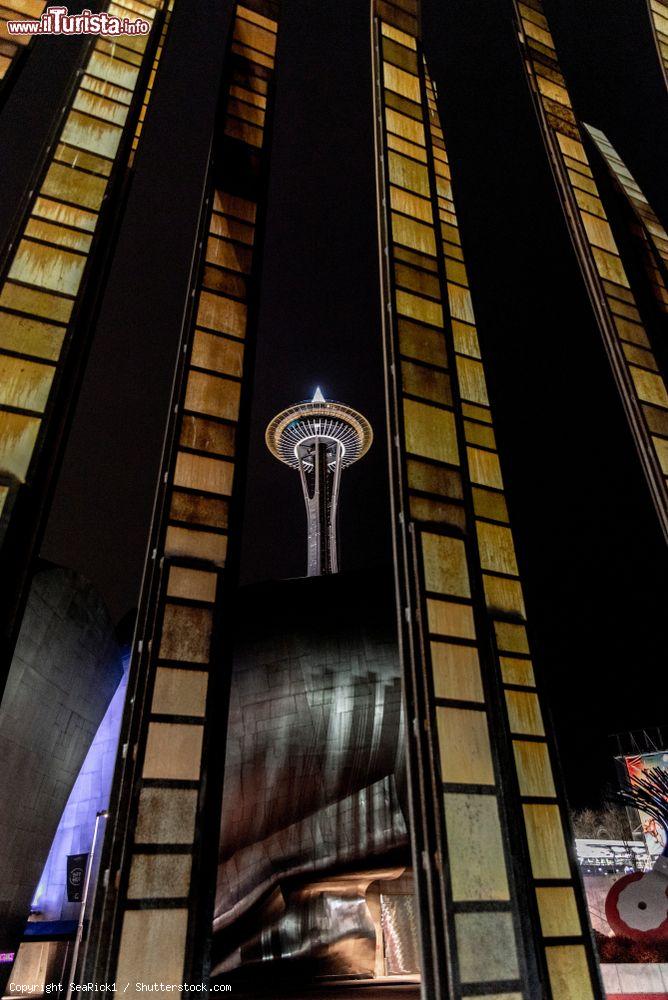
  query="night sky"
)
[{"x": 589, "y": 547}]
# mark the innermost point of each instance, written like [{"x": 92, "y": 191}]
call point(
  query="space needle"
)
[{"x": 320, "y": 438}]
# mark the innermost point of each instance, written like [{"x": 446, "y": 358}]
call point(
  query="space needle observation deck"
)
[{"x": 320, "y": 439}]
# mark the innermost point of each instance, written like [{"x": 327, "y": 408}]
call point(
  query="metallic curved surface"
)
[{"x": 314, "y": 772}]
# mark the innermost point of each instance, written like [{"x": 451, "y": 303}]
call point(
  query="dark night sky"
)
[{"x": 589, "y": 548}]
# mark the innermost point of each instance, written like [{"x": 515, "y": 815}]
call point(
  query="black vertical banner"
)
[{"x": 76, "y": 874}]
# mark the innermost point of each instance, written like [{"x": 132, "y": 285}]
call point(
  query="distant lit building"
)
[{"x": 320, "y": 439}]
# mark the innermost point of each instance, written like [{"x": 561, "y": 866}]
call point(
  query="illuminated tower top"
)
[{"x": 320, "y": 438}]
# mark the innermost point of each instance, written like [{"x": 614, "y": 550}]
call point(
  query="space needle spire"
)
[{"x": 320, "y": 438}]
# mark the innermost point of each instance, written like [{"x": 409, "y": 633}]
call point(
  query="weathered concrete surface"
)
[{"x": 65, "y": 670}]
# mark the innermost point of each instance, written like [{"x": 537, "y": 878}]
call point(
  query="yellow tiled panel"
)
[
  {"x": 33, "y": 300},
  {"x": 534, "y": 770},
  {"x": 152, "y": 947},
  {"x": 24, "y": 384},
  {"x": 106, "y": 89},
  {"x": 222, "y": 314},
  {"x": 89, "y": 133},
  {"x": 74, "y": 186},
  {"x": 546, "y": 841},
  {"x": 230, "y": 204},
  {"x": 553, "y": 91},
  {"x": 502, "y": 594},
  {"x": 30, "y": 336},
  {"x": 511, "y": 638},
  {"x": 479, "y": 434},
  {"x": 599, "y": 232},
  {"x": 227, "y": 254},
  {"x": 413, "y": 234},
  {"x": 410, "y": 204},
  {"x": 488, "y": 503},
  {"x": 464, "y": 747},
  {"x": 430, "y": 432},
  {"x": 179, "y": 692},
  {"x": 461, "y": 306},
  {"x": 649, "y": 386},
  {"x": 217, "y": 353},
  {"x": 44, "y": 208},
  {"x": 47, "y": 267},
  {"x": 465, "y": 338},
  {"x": 448, "y": 619},
  {"x": 408, "y": 174},
  {"x": 252, "y": 55},
  {"x": 166, "y": 816},
  {"x": 113, "y": 70},
  {"x": 434, "y": 479},
  {"x": 403, "y": 146},
  {"x": 255, "y": 36},
  {"x": 227, "y": 227},
  {"x": 569, "y": 972},
  {"x": 661, "y": 446},
  {"x": 205, "y": 545},
  {"x": 101, "y": 107},
  {"x": 207, "y": 435},
  {"x": 445, "y": 568},
  {"x": 486, "y": 947},
  {"x": 497, "y": 551},
  {"x": 250, "y": 134},
  {"x": 200, "y": 472},
  {"x": 402, "y": 83},
  {"x": 515, "y": 671},
  {"x": 419, "y": 308},
  {"x": 18, "y": 434},
  {"x": 456, "y": 672},
  {"x": 173, "y": 751},
  {"x": 186, "y": 633},
  {"x": 558, "y": 912},
  {"x": 437, "y": 511},
  {"x": 610, "y": 266},
  {"x": 477, "y": 865},
  {"x": 194, "y": 584},
  {"x": 524, "y": 715},
  {"x": 210, "y": 394},
  {"x": 540, "y": 35},
  {"x": 156, "y": 876},
  {"x": 252, "y": 15},
  {"x": 41, "y": 230},
  {"x": 416, "y": 341},
  {"x": 472, "y": 381},
  {"x": 484, "y": 468},
  {"x": 407, "y": 128},
  {"x": 572, "y": 148},
  {"x": 398, "y": 36}
]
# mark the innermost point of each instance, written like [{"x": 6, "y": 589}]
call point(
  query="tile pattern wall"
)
[
  {"x": 649, "y": 229},
  {"x": 471, "y": 683},
  {"x": 43, "y": 281},
  {"x": 165, "y": 774},
  {"x": 12, "y": 45},
  {"x": 641, "y": 385},
  {"x": 658, "y": 14}
]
